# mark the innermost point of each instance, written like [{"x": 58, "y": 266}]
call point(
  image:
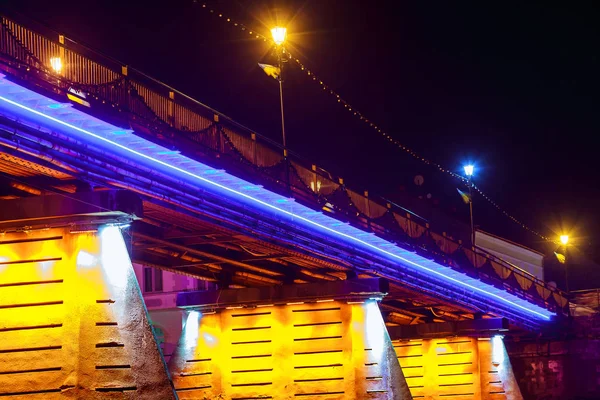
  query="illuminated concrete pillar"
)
[
  {"x": 298, "y": 348},
  {"x": 458, "y": 368},
  {"x": 499, "y": 380},
  {"x": 72, "y": 320}
]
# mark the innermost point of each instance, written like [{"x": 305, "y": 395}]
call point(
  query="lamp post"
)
[
  {"x": 564, "y": 239},
  {"x": 469, "y": 169},
  {"x": 279, "y": 35}
]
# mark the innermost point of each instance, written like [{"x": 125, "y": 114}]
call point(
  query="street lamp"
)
[
  {"x": 469, "y": 169},
  {"x": 279, "y": 34},
  {"x": 56, "y": 64},
  {"x": 564, "y": 239}
]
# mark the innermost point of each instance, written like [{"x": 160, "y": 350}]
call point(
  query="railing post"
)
[
  {"x": 61, "y": 50},
  {"x": 221, "y": 140},
  {"x": 172, "y": 108},
  {"x": 126, "y": 88},
  {"x": 254, "y": 154},
  {"x": 315, "y": 180}
]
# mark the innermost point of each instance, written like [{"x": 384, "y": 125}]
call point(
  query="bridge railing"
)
[{"x": 112, "y": 89}]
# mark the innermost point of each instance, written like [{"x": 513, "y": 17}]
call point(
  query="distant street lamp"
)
[
  {"x": 56, "y": 64},
  {"x": 469, "y": 169},
  {"x": 564, "y": 239}
]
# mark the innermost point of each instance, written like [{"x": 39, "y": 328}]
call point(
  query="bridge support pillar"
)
[
  {"x": 314, "y": 341},
  {"x": 72, "y": 319},
  {"x": 458, "y": 360}
]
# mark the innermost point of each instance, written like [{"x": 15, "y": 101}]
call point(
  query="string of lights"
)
[
  {"x": 515, "y": 220},
  {"x": 239, "y": 25},
  {"x": 361, "y": 117}
]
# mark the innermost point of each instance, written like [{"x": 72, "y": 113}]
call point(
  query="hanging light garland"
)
[
  {"x": 361, "y": 117},
  {"x": 236, "y": 24}
]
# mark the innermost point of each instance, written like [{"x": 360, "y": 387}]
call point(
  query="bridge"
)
[{"x": 316, "y": 290}]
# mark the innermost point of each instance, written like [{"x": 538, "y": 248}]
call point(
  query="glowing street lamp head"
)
[
  {"x": 564, "y": 239},
  {"x": 469, "y": 170},
  {"x": 56, "y": 64},
  {"x": 279, "y": 34}
]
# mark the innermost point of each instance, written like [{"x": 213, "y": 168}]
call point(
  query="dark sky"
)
[{"x": 511, "y": 86}]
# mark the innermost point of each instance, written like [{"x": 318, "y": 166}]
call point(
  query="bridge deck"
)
[{"x": 214, "y": 225}]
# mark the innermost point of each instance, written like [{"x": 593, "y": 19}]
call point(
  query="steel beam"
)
[
  {"x": 359, "y": 289},
  {"x": 90, "y": 208},
  {"x": 476, "y": 328},
  {"x": 204, "y": 254}
]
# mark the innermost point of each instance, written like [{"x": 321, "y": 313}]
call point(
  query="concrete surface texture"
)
[
  {"x": 329, "y": 350},
  {"x": 72, "y": 320}
]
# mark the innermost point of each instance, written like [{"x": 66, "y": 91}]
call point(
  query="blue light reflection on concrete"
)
[
  {"x": 191, "y": 328},
  {"x": 34, "y": 107},
  {"x": 498, "y": 350},
  {"x": 376, "y": 331},
  {"x": 114, "y": 256}
]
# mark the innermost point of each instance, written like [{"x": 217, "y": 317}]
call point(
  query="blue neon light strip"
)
[{"x": 43, "y": 110}]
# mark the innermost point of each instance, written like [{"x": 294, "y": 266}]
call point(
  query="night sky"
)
[{"x": 510, "y": 86}]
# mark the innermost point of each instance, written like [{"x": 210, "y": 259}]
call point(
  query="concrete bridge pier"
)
[
  {"x": 310, "y": 341},
  {"x": 464, "y": 360},
  {"x": 72, "y": 319}
]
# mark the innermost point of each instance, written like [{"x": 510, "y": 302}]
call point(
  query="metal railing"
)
[{"x": 114, "y": 89}]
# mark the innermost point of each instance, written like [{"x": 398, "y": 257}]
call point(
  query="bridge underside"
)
[
  {"x": 251, "y": 239},
  {"x": 185, "y": 242}
]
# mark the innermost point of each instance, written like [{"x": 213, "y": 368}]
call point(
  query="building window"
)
[
  {"x": 205, "y": 285},
  {"x": 153, "y": 280},
  {"x": 200, "y": 284}
]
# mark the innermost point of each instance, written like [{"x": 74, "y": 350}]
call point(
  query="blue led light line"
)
[{"x": 316, "y": 219}]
